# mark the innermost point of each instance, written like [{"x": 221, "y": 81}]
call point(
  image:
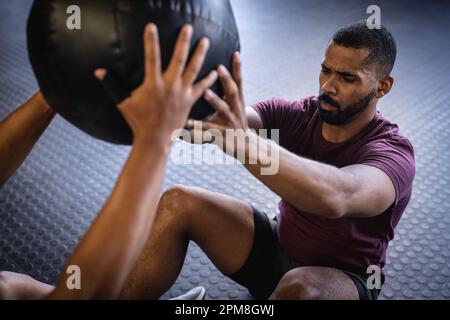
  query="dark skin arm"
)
[
  {"x": 19, "y": 133},
  {"x": 311, "y": 186},
  {"x": 110, "y": 248}
]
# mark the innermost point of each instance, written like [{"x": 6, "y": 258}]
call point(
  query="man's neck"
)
[{"x": 338, "y": 134}]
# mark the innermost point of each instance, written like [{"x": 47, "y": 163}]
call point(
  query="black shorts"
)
[{"x": 267, "y": 263}]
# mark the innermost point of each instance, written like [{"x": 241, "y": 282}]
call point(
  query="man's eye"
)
[
  {"x": 326, "y": 71},
  {"x": 349, "y": 79}
]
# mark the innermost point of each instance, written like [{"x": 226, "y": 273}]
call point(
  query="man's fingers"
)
[
  {"x": 203, "y": 141},
  {"x": 237, "y": 74},
  {"x": 218, "y": 104},
  {"x": 112, "y": 85},
  {"x": 200, "y": 87},
  {"x": 152, "y": 53},
  {"x": 230, "y": 87},
  {"x": 192, "y": 124},
  {"x": 193, "y": 132},
  {"x": 211, "y": 126},
  {"x": 196, "y": 63},
  {"x": 181, "y": 53}
]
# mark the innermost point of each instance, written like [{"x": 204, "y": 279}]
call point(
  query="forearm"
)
[
  {"x": 20, "y": 131},
  {"x": 308, "y": 185},
  {"x": 113, "y": 243}
]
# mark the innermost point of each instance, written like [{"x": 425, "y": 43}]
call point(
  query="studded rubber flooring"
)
[{"x": 51, "y": 200}]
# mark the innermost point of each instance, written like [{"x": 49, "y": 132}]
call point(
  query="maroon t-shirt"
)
[{"x": 351, "y": 244}]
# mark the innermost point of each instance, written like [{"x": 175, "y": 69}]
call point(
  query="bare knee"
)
[
  {"x": 176, "y": 199},
  {"x": 177, "y": 205},
  {"x": 296, "y": 285}
]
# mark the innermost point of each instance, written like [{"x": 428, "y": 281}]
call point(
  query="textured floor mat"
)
[{"x": 51, "y": 200}]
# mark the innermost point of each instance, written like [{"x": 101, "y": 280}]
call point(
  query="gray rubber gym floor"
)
[{"x": 49, "y": 203}]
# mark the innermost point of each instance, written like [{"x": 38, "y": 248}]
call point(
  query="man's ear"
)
[{"x": 385, "y": 84}]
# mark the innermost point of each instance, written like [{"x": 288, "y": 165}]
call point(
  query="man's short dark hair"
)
[{"x": 380, "y": 42}]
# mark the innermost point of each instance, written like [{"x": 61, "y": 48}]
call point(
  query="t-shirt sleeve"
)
[
  {"x": 273, "y": 112},
  {"x": 289, "y": 118},
  {"x": 395, "y": 156}
]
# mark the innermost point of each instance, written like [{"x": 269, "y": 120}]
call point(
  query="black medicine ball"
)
[{"x": 69, "y": 39}]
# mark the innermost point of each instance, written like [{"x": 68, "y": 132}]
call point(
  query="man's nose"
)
[{"x": 329, "y": 88}]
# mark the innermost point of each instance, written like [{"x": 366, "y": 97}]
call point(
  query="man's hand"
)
[
  {"x": 163, "y": 102},
  {"x": 154, "y": 110},
  {"x": 230, "y": 113}
]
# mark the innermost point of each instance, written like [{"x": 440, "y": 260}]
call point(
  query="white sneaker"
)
[{"x": 197, "y": 293}]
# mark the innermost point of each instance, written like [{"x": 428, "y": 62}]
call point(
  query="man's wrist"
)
[
  {"x": 42, "y": 103},
  {"x": 159, "y": 141},
  {"x": 248, "y": 146},
  {"x": 260, "y": 153}
]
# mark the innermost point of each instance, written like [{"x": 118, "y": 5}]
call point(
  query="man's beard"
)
[{"x": 343, "y": 115}]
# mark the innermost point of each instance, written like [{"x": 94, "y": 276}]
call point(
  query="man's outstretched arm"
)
[
  {"x": 110, "y": 248},
  {"x": 20, "y": 131},
  {"x": 311, "y": 186}
]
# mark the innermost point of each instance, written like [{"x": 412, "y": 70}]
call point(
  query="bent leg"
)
[
  {"x": 221, "y": 225},
  {"x": 313, "y": 283}
]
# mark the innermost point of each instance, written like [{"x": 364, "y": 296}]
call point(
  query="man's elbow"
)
[
  {"x": 338, "y": 213},
  {"x": 335, "y": 207},
  {"x": 326, "y": 208}
]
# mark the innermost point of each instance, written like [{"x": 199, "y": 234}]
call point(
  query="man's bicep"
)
[
  {"x": 253, "y": 119},
  {"x": 375, "y": 191}
]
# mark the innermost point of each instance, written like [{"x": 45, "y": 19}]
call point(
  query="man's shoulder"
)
[
  {"x": 283, "y": 112},
  {"x": 389, "y": 132},
  {"x": 302, "y": 104},
  {"x": 280, "y": 102},
  {"x": 387, "y": 148}
]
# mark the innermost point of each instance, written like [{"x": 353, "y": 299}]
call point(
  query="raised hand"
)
[{"x": 163, "y": 101}]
